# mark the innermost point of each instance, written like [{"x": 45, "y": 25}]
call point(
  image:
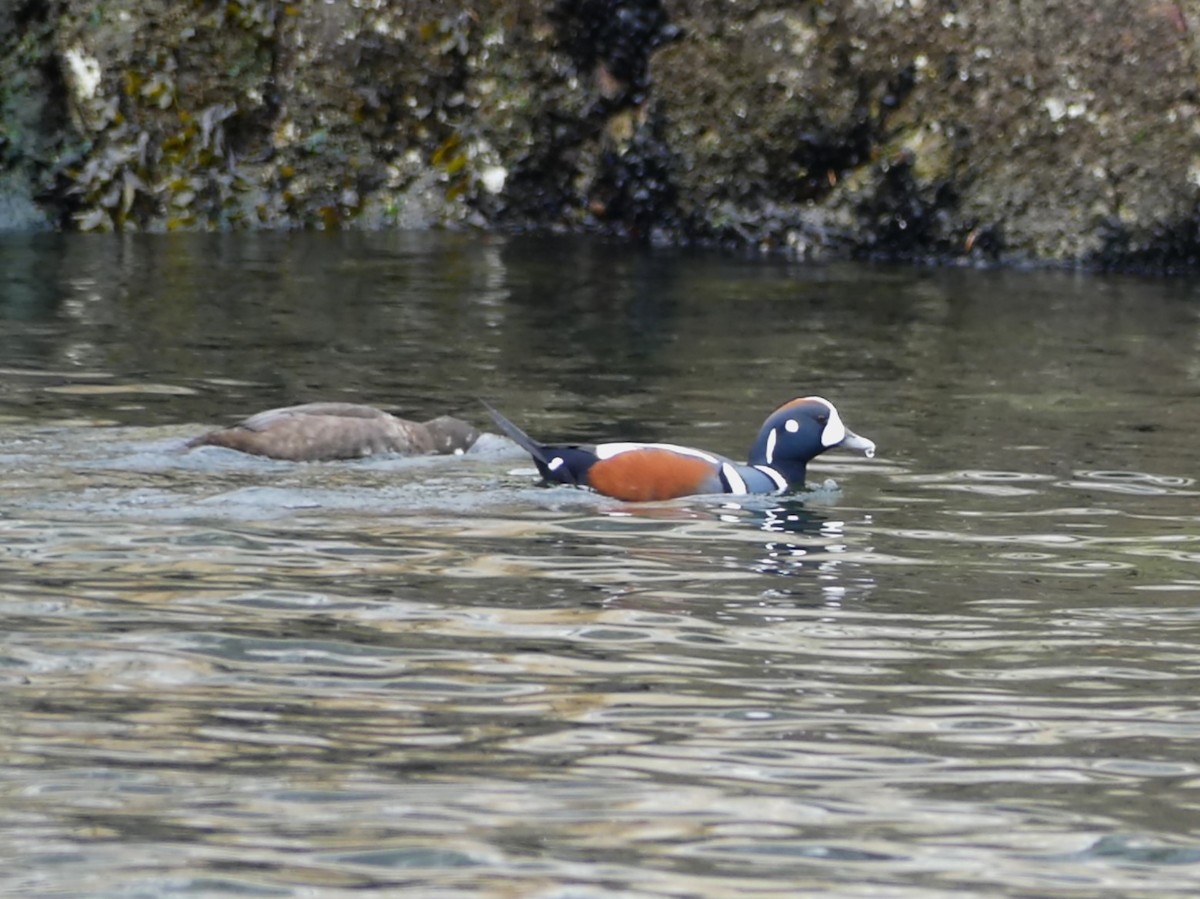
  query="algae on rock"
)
[{"x": 922, "y": 129}]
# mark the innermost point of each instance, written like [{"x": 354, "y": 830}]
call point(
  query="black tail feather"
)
[{"x": 527, "y": 443}]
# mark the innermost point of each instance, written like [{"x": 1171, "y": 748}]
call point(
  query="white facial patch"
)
[
  {"x": 834, "y": 432},
  {"x": 735, "y": 481},
  {"x": 792, "y": 425},
  {"x": 771, "y": 438}
]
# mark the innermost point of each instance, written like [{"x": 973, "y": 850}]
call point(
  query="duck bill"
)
[{"x": 853, "y": 442}]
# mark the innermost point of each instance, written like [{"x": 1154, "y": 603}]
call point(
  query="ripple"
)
[
  {"x": 1137, "y": 477},
  {"x": 1090, "y": 565},
  {"x": 614, "y": 696},
  {"x": 1132, "y": 483}
]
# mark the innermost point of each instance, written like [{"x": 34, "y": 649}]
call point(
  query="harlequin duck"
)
[
  {"x": 793, "y": 434},
  {"x": 322, "y": 431}
]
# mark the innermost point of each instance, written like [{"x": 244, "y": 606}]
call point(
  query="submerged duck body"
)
[
  {"x": 793, "y": 435},
  {"x": 317, "y": 432}
]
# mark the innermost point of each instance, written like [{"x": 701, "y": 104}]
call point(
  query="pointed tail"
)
[{"x": 531, "y": 446}]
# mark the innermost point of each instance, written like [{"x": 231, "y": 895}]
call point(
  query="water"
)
[{"x": 969, "y": 668}]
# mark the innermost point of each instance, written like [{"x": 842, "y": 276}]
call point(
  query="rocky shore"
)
[{"x": 1011, "y": 132}]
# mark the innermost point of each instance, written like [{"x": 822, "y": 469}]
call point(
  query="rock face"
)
[{"x": 1013, "y": 130}]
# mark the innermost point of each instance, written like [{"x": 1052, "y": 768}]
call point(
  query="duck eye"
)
[{"x": 822, "y": 417}]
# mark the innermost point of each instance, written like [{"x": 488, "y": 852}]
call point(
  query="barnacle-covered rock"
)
[{"x": 928, "y": 129}]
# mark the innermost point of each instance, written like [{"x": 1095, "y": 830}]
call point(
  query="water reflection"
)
[{"x": 970, "y": 669}]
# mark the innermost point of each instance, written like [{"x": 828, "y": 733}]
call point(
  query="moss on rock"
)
[{"x": 902, "y": 128}]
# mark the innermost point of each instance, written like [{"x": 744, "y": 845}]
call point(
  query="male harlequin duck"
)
[
  {"x": 316, "y": 432},
  {"x": 636, "y": 472}
]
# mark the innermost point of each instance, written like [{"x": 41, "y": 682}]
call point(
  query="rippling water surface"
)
[{"x": 966, "y": 667}]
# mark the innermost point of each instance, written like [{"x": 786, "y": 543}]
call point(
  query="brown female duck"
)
[{"x": 316, "y": 432}]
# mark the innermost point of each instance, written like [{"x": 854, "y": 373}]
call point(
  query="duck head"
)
[
  {"x": 451, "y": 436},
  {"x": 800, "y": 430}
]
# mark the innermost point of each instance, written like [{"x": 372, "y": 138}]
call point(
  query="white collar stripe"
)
[
  {"x": 780, "y": 480},
  {"x": 735, "y": 481}
]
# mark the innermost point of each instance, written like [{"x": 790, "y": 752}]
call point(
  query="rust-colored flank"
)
[{"x": 645, "y": 475}]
